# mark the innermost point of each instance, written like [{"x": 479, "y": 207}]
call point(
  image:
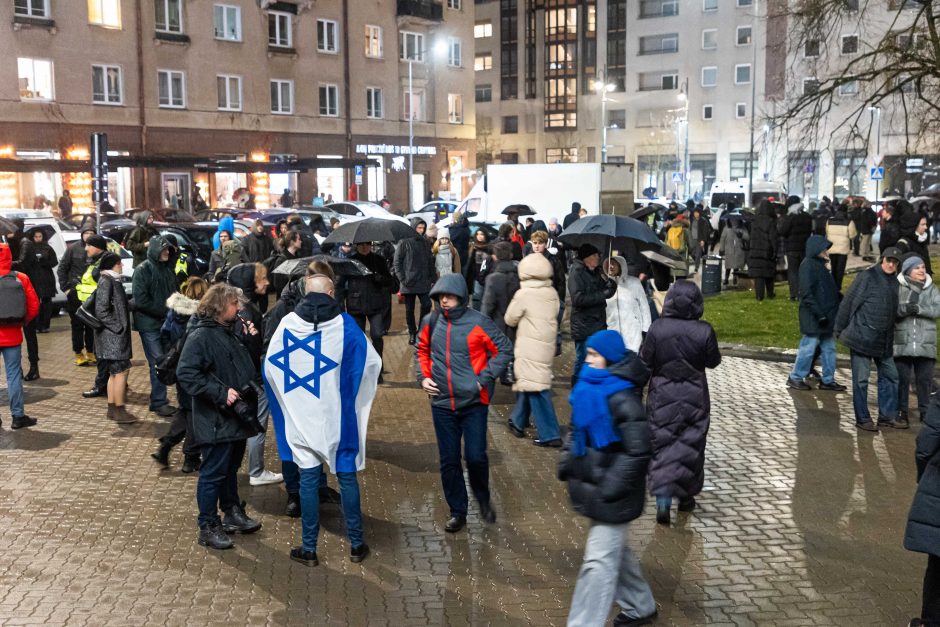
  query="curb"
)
[{"x": 769, "y": 353}]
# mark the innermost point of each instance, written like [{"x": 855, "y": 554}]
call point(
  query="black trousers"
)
[
  {"x": 45, "y": 314},
  {"x": 410, "y": 310},
  {"x": 83, "y": 336},
  {"x": 837, "y": 263},
  {"x": 918, "y": 370},
  {"x": 376, "y": 328},
  {"x": 182, "y": 425},
  {"x": 32, "y": 343},
  {"x": 930, "y": 613},
  {"x": 762, "y": 285},
  {"x": 793, "y": 273}
]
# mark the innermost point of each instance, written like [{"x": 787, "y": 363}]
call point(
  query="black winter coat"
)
[
  {"x": 501, "y": 284},
  {"x": 414, "y": 265},
  {"x": 243, "y": 276},
  {"x": 114, "y": 340},
  {"x": 256, "y": 248},
  {"x": 73, "y": 266},
  {"x": 589, "y": 291},
  {"x": 609, "y": 484},
  {"x": 762, "y": 255},
  {"x": 909, "y": 245},
  {"x": 36, "y": 261},
  {"x": 460, "y": 238},
  {"x": 867, "y": 220},
  {"x": 212, "y": 361},
  {"x": 558, "y": 274},
  {"x": 819, "y": 298},
  {"x": 677, "y": 349},
  {"x": 890, "y": 234},
  {"x": 287, "y": 302},
  {"x": 923, "y": 521},
  {"x": 795, "y": 229},
  {"x": 865, "y": 322},
  {"x": 366, "y": 295}
]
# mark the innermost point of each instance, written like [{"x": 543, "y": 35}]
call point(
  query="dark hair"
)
[{"x": 502, "y": 251}]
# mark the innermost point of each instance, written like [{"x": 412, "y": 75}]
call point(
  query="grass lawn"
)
[{"x": 739, "y": 319}]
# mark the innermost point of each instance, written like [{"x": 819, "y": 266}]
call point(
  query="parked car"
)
[
  {"x": 432, "y": 212},
  {"x": 357, "y": 209}
]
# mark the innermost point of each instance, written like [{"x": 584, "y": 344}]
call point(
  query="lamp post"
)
[
  {"x": 684, "y": 97},
  {"x": 602, "y": 87},
  {"x": 750, "y": 166},
  {"x": 876, "y": 111},
  {"x": 439, "y": 48}
]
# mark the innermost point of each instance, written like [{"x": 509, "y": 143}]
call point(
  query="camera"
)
[{"x": 245, "y": 408}]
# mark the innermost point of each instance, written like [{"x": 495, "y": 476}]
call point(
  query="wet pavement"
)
[{"x": 801, "y": 521}]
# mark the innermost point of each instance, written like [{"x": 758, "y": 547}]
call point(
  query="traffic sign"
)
[
  {"x": 677, "y": 177},
  {"x": 358, "y": 175},
  {"x": 877, "y": 174}
]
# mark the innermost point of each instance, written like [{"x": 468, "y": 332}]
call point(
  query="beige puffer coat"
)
[{"x": 533, "y": 311}]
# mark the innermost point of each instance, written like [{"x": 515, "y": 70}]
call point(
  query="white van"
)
[{"x": 723, "y": 192}]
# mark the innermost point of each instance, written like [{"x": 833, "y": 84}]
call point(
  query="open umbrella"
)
[
  {"x": 607, "y": 232},
  {"x": 519, "y": 210},
  {"x": 648, "y": 210},
  {"x": 342, "y": 267},
  {"x": 370, "y": 230},
  {"x": 47, "y": 230}
]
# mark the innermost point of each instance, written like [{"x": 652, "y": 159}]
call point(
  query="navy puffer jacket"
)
[
  {"x": 609, "y": 484},
  {"x": 677, "y": 349},
  {"x": 866, "y": 316},
  {"x": 923, "y": 521}
]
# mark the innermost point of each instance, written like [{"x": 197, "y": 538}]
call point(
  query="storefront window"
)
[
  {"x": 226, "y": 186},
  {"x": 850, "y": 173},
  {"x": 375, "y": 179},
  {"x": 330, "y": 181}
]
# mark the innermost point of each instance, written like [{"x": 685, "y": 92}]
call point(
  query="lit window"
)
[
  {"x": 282, "y": 97},
  {"x": 374, "y": 108},
  {"x": 31, "y": 8},
  {"x": 230, "y": 92},
  {"x": 740, "y": 110},
  {"x": 707, "y": 112},
  {"x": 482, "y": 30},
  {"x": 849, "y": 44},
  {"x": 35, "y": 79},
  {"x": 106, "y": 84},
  {"x": 742, "y": 74},
  {"x": 709, "y": 39},
  {"x": 171, "y": 89},
  {"x": 373, "y": 41},
  {"x": 228, "y": 22},
  {"x": 709, "y": 76},
  {"x": 327, "y": 35},
  {"x": 455, "y": 108},
  {"x": 168, "y": 16},
  {"x": 411, "y": 46},
  {"x": 454, "y": 52},
  {"x": 279, "y": 30},
  {"x": 743, "y": 36},
  {"x": 329, "y": 100},
  {"x": 483, "y": 62},
  {"x": 105, "y": 13}
]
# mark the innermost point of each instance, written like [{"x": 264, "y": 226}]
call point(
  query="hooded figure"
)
[
  {"x": 762, "y": 255},
  {"x": 677, "y": 350},
  {"x": 460, "y": 237},
  {"x": 628, "y": 310},
  {"x": 137, "y": 240},
  {"x": 226, "y": 223}
]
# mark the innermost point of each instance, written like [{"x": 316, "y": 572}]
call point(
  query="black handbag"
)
[{"x": 86, "y": 312}]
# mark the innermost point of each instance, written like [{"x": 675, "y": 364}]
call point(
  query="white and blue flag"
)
[{"x": 320, "y": 381}]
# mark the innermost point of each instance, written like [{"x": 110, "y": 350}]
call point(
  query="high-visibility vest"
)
[
  {"x": 182, "y": 264},
  {"x": 87, "y": 286}
]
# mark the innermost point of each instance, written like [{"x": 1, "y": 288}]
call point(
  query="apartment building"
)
[{"x": 236, "y": 81}]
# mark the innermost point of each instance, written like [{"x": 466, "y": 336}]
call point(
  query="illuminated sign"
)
[{"x": 392, "y": 149}]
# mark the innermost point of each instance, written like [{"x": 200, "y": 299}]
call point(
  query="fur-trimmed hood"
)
[{"x": 182, "y": 305}]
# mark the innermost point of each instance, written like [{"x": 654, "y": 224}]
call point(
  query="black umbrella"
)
[
  {"x": 341, "y": 267},
  {"x": 648, "y": 210},
  {"x": 370, "y": 230},
  {"x": 47, "y": 230},
  {"x": 610, "y": 232},
  {"x": 518, "y": 210},
  {"x": 8, "y": 226}
]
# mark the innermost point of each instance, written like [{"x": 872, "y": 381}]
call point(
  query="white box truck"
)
[{"x": 549, "y": 190}]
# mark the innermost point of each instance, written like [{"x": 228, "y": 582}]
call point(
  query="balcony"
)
[{"x": 423, "y": 11}]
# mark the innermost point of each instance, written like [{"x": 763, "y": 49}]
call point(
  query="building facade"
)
[{"x": 239, "y": 80}]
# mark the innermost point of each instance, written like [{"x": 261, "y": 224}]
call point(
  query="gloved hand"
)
[
  {"x": 823, "y": 321},
  {"x": 910, "y": 309}
]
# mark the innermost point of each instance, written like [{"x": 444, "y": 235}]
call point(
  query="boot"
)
[
  {"x": 214, "y": 538},
  {"x": 162, "y": 456},
  {"x": 191, "y": 463},
  {"x": 33, "y": 373},
  {"x": 80, "y": 359},
  {"x": 92, "y": 360},
  {"x": 122, "y": 416},
  {"x": 236, "y": 520},
  {"x": 111, "y": 413},
  {"x": 412, "y": 339},
  {"x": 293, "y": 505}
]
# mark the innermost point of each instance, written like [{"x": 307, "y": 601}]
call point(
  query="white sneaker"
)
[{"x": 266, "y": 478}]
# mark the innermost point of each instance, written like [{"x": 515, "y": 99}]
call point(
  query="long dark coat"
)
[
  {"x": 762, "y": 256},
  {"x": 114, "y": 340},
  {"x": 589, "y": 291},
  {"x": 923, "y": 521},
  {"x": 37, "y": 261},
  {"x": 819, "y": 298},
  {"x": 677, "y": 349}
]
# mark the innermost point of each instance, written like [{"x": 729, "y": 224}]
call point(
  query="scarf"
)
[
  {"x": 922, "y": 237},
  {"x": 591, "y": 419}
]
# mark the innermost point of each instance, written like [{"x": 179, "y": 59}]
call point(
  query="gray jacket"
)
[
  {"x": 731, "y": 247},
  {"x": 915, "y": 335},
  {"x": 113, "y": 341}
]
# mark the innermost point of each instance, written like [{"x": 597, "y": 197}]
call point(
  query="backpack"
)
[
  {"x": 12, "y": 300},
  {"x": 675, "y": 238}
]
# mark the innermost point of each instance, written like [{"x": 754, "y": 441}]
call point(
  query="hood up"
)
[
  {"x": 631, "y": 368},
  {"x": 243, "y": 276},
  {"x": 684, "y": 300},
  {"x": 451, "y": 284},
  {"x": 816, "y": 244},
  {"x": 157, "y": 244},
  {"x": 624, "y": 268},
  {"x": 142, "y": 218},
  {"x": 6, "y": 259},
  {"x": 535, "y": 268}
]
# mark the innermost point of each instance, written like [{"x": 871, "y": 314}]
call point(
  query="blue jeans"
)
[
  {"x": 539, "y": 404},
  {"x": 310, "y": 481},
  {"x": 11, "y": 362},
  {"x": 153, "y": 349},
  {"x": 580, "y": 352},
  {"x": 804, "y": 357},
  {"x": 217, "y": 487},
  {"x": 468, "y": 423},
  {"x": 887, "y": 387}
]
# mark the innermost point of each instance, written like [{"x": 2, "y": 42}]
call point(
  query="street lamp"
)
[
  {"x": 876, "y": 111},
  {"x": 439, "y": 49},
  {"x": 602, "y": 87},
  {"x": 684, "y": 97}
]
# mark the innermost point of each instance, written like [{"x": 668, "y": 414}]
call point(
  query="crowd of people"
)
[{"x": 311, "y": 362}]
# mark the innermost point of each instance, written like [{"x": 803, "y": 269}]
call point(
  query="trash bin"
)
[{"x": 711, "y": 275}]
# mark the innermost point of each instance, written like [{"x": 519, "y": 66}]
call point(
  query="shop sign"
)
[{"x": 392, "y": 149}]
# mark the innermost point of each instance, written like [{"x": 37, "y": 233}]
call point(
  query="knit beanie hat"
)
[
  {"x": 108, "y": 261},
  {"x": 609, "y": 344},
  {"x": 443, "y": 233},
  {"x": 910, "y": 263},
  {"x": 586, "y": 250},
  {"x": 98, "y": 242}
]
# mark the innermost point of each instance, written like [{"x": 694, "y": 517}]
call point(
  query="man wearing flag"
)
[{"x": 321, "y": 375}]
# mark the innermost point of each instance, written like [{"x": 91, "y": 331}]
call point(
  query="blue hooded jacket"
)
[{"x": 225, "y": 224}]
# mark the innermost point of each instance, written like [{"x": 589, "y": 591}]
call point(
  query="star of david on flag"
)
[{"x": 313, "y": 346}]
